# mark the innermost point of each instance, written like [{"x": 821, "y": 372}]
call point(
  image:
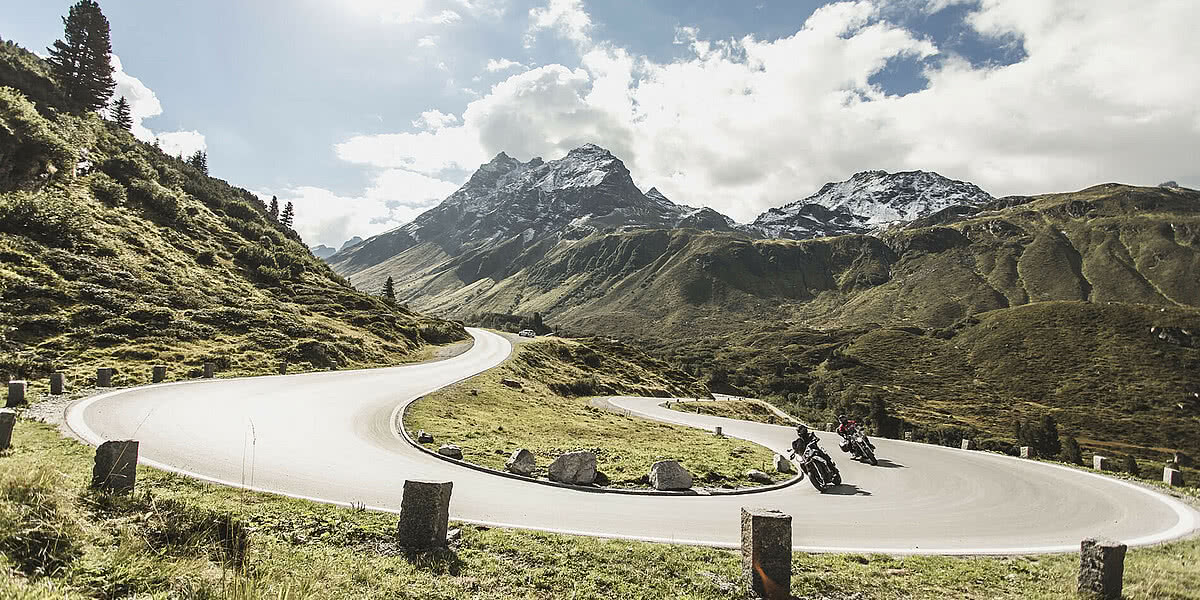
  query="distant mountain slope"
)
[
  {"x": 114, "y": 254},
  {"x": 322, "y": 251},
  {"x": 516, "y": 208},
  {"x": 1109, "y": 243},
  {"x": 865, "y": 201}
]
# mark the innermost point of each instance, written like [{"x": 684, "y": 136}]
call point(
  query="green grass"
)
[
  {"x": 163, "y": 543},
  {"x": 145, "y": 260},
  {"x": 550, "y": 415},
  {"x": 732, "y": 409}
]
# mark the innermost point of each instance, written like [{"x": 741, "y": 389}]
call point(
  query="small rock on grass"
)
[
  {"x": 758, "y": 476},
  {"x": 451, "y": 450},
  {"x": 522, "y": 462},
  {"x": 669, "y": 475},
  {"x": 424, "y": 437}
]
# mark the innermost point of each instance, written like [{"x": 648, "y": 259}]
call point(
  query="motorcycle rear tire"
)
[{"x": 816, "y": 478}]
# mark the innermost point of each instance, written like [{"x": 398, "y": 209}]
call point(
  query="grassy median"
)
[{"x": 544, "y": 408}]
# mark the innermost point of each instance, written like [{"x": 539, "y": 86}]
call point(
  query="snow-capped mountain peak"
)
[{"x": 866, "y": 201}]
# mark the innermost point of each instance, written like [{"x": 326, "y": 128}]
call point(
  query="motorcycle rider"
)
[
  {"x": 804, "y": 439},
  {"x": 846, "y": 428}
]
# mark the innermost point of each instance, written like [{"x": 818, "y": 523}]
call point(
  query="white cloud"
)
[
  {"x": 566, "y": 17},
  {"x": 746, "y": 124},
  {"x": 428, "y": 41},
  {"x": 144, "y": 104},
  {"x": 434, "y": 119},
  {"x": 427, "y": 12},
  {"x": 502, "y": 64},
  {"x": 181, "y": 143},
  {"x": 395, "y": 197}
]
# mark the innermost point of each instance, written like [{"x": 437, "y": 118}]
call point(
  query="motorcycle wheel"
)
[
  {"x": 869, "y": 454},
  {"x": 817, "y": 478},
  {"x": 837, "y": 477}
]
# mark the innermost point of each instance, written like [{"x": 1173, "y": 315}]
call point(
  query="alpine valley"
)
[{"x": 869, "y": 289}]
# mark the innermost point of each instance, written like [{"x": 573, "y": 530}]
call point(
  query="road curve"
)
[{"x": 328, "y": 437}]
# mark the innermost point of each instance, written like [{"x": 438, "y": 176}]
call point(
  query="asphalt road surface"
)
[{"x": 330, "y": 437}]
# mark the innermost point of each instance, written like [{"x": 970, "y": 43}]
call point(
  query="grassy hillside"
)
[
  {"x": 549, "y": 415},
  {"x": 113, "y": 253},
  {"x": 1095, "y": 367}
]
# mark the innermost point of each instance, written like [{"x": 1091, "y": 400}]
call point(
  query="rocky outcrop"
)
[
  {"x": 522, "y": 462},
  {"x": 576, "y": 468},
  {"x": 669, "y": 475}
]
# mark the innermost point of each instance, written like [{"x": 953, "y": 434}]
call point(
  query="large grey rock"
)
[
  {"x": 8, "y": 420},
  {"x": 16, "y": 393},
  {"x": 783, "y": 465},
  {"x": 669, "y": 475},
  {"x": 450, "y": 450},
  {"x": 116, "y": 466},
  {"x": 158, "y": 374},
  {"x": 758, "y": 476},
  {"x": 1101, "y": 568},
  {"x": 522, "y": 462},
  {"x": 424, "y": 514},
  {"x": 766, "y": 553},
  {"x": 578, "y": 468},
  {"x": 1172, "y": 476},
  {"x": 58, "y": 383}
]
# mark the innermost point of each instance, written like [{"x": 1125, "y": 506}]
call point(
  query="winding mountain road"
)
[{"x": 330, "y": 437}]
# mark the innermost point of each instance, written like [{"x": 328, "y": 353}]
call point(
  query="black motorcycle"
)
[
  {"x": 859, "y": 442},
  {"x": 821, "y": 472}
]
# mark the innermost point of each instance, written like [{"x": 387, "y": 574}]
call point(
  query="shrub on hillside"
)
[
  {"x": 106, "y": 189},
  {"x": 50, "y": 218},
  {"x": 156, "y": 199},
  {"x": 29, "y": 144}
]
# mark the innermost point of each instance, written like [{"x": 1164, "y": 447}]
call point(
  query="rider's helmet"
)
[
  {"x": 802, "y": 432},
  {"x": 841, "y": 418}
]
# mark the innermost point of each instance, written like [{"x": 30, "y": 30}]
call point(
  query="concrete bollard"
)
[
  {"x": 116, "y": 466},
  {"x": 968, "y": 444},
  {"x": 16, "y": 393},
  {"x": 1101, "y": 568},
  {"x": 1172, "y": 476},
  {"x": 829, "y": 427},
  {"x": 424, "y": 514},
  {"x": 210, "y": 370},
  {"x": 1027, "y": 452},
  {"x": 718, "y": 431},
  {"x": 58, "y": 383},
  {"x": 104, "y": 377},
  {"x": 908, "y": 436},
  {"x": 158, "y": 374},
  {"x": 283, "y": 368},
  {"x": 1100, "y": 463},
  {"x": 8, "y": 420},
  {"x": 766, "y": 553}
]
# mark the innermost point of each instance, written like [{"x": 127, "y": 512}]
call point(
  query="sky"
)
[{"x": 365, "y": 113}]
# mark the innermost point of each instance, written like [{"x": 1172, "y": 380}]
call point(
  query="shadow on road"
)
[
  {"x": 887, "y": 464},
  {"x": 846, "y": 489}
]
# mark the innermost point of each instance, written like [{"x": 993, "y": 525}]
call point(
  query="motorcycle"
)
[
  {"x": 821, "y": 473},
  {"x": 865, "y": 451}
]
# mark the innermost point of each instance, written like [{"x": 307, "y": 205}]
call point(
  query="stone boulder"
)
[
  {"x": 669, "y": 475},
  {"x": 512, "y": 383},
  {"x": 758, "y": 476},
  {"x": 577, "y": 468},
  {"x": 424, "y": 437},
  {"x": 450, "y": 450},
  {"x": 783, "y": 465},
  {"x": 522, "y": 462}
]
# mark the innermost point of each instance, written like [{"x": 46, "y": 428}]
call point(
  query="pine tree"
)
[
  {"x": 81, "y": 62},
  {"x": 1048, "y": 442},
  {"x": 274, "y": 210},
  {"x": 199, "y": 161},
  {"x": 288, "y": 216},
  {"x": 121, "y": 114},
  {"x": 1071, "y": 453},
  {"x": 389, "y": 290}
]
